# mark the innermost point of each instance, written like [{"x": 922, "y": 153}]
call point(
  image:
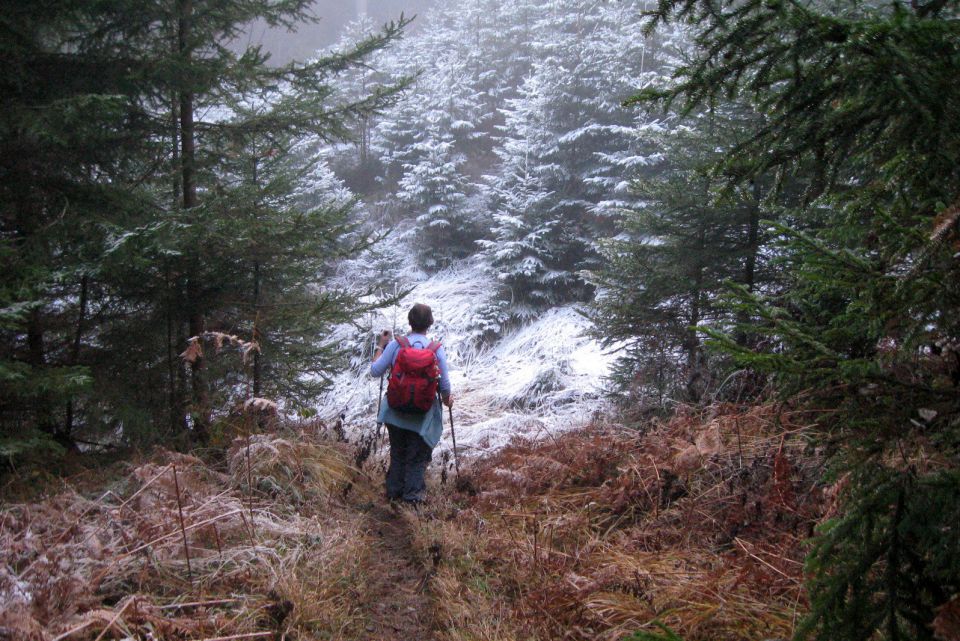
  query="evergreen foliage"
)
[
  {"x": 511, "y": 97},
  {"x": 148, "y": 195},
  {"x": 890, "y": 560},
  {"x": 523, "y": 252},
  {"x": 433, "y": 190},
  {"x": 665, "y": 273},
  {"x": 566, "y": 144},
  {"x": 859, "y": 101},
  {"x": 68, "y": 134}
]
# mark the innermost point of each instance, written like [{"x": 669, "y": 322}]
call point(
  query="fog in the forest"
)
[{"x": 285, "y": 46}]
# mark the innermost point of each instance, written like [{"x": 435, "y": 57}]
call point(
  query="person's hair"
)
[{"x": 420, "y": 317}]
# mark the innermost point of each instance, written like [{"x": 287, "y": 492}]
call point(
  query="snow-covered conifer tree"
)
[
  {"x": 434, "y": 192},
  {"x": 568, "y": 131}
]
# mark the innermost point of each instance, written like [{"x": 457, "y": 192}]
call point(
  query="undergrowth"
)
[
  {"x": 263, "y": 545},
  {"x": 697, "y": 524},
  {"x": 694, "y": 528}
]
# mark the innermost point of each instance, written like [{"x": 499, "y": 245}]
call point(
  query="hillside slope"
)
[{"x": 541, "y": 377}]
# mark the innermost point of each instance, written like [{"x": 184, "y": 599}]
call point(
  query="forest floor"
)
[{"x": 697, "y": 522}]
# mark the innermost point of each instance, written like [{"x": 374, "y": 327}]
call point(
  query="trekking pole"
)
[
  {"x": 376, "y": 343},
  {"x": 456, "y": 457},
  {"x": 453, "y": 434},
  {"x": 379, "y": 401}
]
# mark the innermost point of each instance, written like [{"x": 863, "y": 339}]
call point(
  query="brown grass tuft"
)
[
  {"x": 294, "y": 468},
  {"x": 698, "y": 522}
]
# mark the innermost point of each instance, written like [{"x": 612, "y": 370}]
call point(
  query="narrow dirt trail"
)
[{"x": 398, "y": 606}]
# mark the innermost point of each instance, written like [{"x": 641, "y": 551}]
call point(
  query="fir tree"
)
[
  {"x": 435, "y": 193},
  {"x": 290, "y": 220},
  {"x": 69, "y": 149},
  {"x": 859, "y": 96},
  {"x": 567, "y": 130},
  {"x": 128, "y": 225},
  {"x": 666, "y": 271},
  {"x": 206, "y": 70},
  {"x": 525, "y": 236}
]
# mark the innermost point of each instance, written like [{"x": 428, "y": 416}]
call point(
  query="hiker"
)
[{"x": 413, "y": 433}]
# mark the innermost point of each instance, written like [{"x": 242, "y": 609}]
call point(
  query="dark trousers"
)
[{"x": 409, "y": 457}]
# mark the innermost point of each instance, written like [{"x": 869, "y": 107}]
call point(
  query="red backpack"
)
[{"x": 414, "y": 378}]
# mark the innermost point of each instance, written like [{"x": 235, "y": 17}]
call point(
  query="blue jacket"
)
[{"x": 430, "y": 425}]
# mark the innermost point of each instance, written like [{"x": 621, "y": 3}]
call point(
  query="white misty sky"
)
[{"x": 284, "y": 46}]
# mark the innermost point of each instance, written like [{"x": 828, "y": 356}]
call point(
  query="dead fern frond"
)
[
  {"x": 193, "y": 352},
  {"x": 194, "y": 349},
  {"x": 947, "y": 623},
  {"x": 248, "y": 556}
]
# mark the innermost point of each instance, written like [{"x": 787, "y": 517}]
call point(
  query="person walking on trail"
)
[{"x": 414, "y": 425}]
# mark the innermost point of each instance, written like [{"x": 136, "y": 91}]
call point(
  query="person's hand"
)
[
  {"x": 384, "y": 339},
  {"x": 448, "y": 400}
]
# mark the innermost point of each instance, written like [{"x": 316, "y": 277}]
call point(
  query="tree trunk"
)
[
  {"x": 175, "y": 370},
  {"x": 44, "y": 402},
  {"x": 35, "y": 358},
  {"x": 695, "y": 373},
  {"x": 187, "y": 152},
  {"x": 35, "y": 339},
  {"x": 75, "y": 351},
  {"x": 753, "y": 238},
  {"x": 181, "y": 409},
  {"x": 742, "y": 335},
  {"x": 201, "y": 400},
  {"x": 257, "y": 363},
  {"x": 175, "y": 339},
  {"x": 255, "y": 334}
]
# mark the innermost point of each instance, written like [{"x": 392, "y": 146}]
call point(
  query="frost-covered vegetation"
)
[
  {"x": 544, "y": 376},
  {"x": 182, "y": 549},
  {"x": 746, "y": 212},
  {"x": 493, "y": 178},
  {"x": 512, "y": 144}
]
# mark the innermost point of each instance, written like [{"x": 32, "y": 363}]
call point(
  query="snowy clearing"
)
[{"x": 542, "y": 378}]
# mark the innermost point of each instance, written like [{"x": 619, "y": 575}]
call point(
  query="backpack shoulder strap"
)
[
  {"x": 402, "y": 340},
  {"x": 434, "y": 346}
]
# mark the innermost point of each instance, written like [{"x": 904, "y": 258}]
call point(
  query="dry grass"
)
[
  {"x": 698, "y": 522},
  {"x": 298, "y": 470},
  {"x": 179, "y": 550}
]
